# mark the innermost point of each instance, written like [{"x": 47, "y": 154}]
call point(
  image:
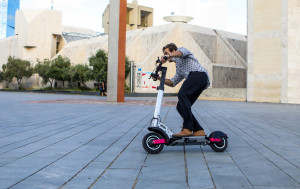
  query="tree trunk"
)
[
  {"x": 70, "y": 83},
  {"x": 19, "y": 82},
  {"x": 51, "y": 83},
  {"x": 84, "y": 84}
]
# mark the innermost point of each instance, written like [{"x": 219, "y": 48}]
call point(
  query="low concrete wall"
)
[
  {"x": 208, "y": 43},
  {"x": 229, "y": 77},
  {"x": 208, "y": 94},
  {"x": 238, "y": 94},
  {"x": 239, "y": 46}
]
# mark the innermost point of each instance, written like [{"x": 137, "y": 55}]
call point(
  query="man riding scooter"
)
[{"x": 197, "y": 80}]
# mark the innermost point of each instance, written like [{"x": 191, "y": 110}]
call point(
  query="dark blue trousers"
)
[{"x": 189, "y": 92}]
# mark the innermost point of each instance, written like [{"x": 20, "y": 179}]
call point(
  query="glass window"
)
[{"x": 8, "y": 10}]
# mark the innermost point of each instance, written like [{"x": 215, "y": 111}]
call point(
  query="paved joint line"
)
[
  {"x": 121, "y": 153},
  {"x": 103, "y": 152},
  {"x": 166, "y": 115},
  {"x": 211, "y": 177},
  {"x": 258, "y": 134},
  {"x": 186, "y": 168},
  {"x": 256, "y": 149},
  {"x": 80, "y": 124},
  {"x": 62, "y": 156},
  {"x": 240, "y": 169},
  {"x": 117, "y": 156},
  {"x": 262, "y": 120},
  {"x": 136, "y": 179},
  {"x": 57, "y": 142},
  {"x": 260, "y": 143},
  {"x": 280, "y": 128},
  {"x": 53, "y": 144},
  {"x": 36, "y": 127},
  {"x": 229, "y": 155},
  {"x": 30, "y": 124},
  {"x": 226, "y": 151}
]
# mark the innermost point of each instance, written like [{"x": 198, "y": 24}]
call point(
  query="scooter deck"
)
[{"x": 188, "y": 140}]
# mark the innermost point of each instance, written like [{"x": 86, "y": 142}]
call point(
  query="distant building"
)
[
  {"x": 34, "y": 39},
  {"x": 8, "y": 10},
  {"x": 138, "y": 17},
  {"x": 223, "y": 54}
]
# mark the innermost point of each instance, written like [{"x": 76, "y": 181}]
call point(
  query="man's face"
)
[{"x": 167, "y": 51}]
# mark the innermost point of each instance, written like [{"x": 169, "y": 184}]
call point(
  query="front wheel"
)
[
  {"x": 148, "y": 143},
  {"x": 219, "y": 146}
]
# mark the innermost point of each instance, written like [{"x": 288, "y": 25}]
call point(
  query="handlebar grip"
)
[{"x": 154, "y": 76}]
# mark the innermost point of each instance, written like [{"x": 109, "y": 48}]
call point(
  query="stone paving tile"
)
[
  {"x": 114, "y": 184},
  {"x": 142, "y": 184},
  {"x": 82, "y": 142},
  {"x": 198, "y": 172}
]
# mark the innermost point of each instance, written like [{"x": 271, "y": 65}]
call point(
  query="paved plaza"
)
[{"x": 76, "y": 141}]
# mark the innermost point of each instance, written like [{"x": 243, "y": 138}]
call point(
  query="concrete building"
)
[
  {"x": 223, "y": 54},
  {"x": 138, "y": 17},
  {"x": 39, "y": 35},
  {"x": 273, "y": 51},
  {"x": 8, "y": 9},
  {"x": 273, "y": 68}
]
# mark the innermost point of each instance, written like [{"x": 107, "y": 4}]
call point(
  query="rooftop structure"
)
[
  {"x": 177, "y": 18},
  {"x": 137, "y": 17}
]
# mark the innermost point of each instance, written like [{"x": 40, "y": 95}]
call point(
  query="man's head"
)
[{"x": 169, "y": 48}]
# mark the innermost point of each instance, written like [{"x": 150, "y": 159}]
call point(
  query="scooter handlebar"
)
[{"x": 155, "y": 75}]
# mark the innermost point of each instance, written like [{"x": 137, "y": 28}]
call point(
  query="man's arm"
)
[
  {"x": 170, "y": 56},
  {"x": 176, "y": 54},
  {"x": 167, "y": 82}
]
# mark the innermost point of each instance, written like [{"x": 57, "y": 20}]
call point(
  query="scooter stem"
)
[{"x": 159, "y": 98}]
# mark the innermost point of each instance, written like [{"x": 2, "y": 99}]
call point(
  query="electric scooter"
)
[{"x": 161, "y": 135}]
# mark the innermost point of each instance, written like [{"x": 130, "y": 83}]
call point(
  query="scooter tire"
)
[
  {"x": 219, "y": 146},
  {"x": 147, "y": 143}
]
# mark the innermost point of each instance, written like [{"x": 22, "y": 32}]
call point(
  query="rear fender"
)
[{"x": 216, "y": 136}]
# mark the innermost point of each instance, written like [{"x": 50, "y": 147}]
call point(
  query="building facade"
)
[
  {"x": 8, "y": 10},
  {"x": 223, "y": 54},
  {"x": 138, "y": 17},
  {"x": 273, "y": 51},
  {"x": 34, "y": 39}
]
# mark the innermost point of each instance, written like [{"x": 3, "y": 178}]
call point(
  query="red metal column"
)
[{"x": 122, "y": 50}]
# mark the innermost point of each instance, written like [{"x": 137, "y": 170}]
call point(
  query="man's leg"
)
[
  {"x": 198, "y": 130},
  {"x": 188, "y": 94},
  {"x": 184, "y": 108},
  {"x": 196, "y": 124}
]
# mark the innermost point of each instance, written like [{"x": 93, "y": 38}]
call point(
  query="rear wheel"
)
[
  {"x": 219, "y": 146},
  {"x": 148, "y": 143}
]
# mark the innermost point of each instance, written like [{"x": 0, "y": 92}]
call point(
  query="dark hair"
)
[{"x": 170, "y": 46}]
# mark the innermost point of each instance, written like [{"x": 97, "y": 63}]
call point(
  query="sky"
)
[{"x": 227, "y": 15}]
